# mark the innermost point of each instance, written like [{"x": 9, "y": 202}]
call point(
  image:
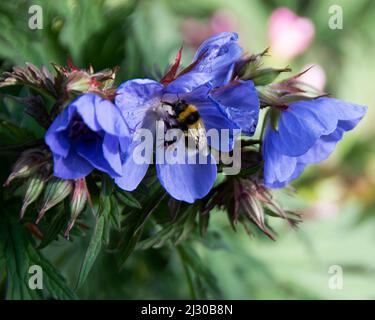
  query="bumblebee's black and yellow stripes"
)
[
  {"x": 188, "y": 119},
  {"x": 186, "y": 115}
]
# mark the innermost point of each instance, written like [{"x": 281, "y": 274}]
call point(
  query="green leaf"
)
[
  {"x": 16, "y": 262},
  {"x": 203, "y": 223},
  {"x": 134, "y": 224},
  {"x": 176, "y": 230},
  {"x": 101, "y": 232},
  {"x": 92, "y": 251},
  {"x": 53, "y": 281},
  {"x": 55, "y": 227},
  {"x": 205, "y": 281},
  {"x": 129, "y": 200},
  {"x": 11, "y": 133},
  {"x": 20, "y": 254},
  {"x": 115, "y": 214}
]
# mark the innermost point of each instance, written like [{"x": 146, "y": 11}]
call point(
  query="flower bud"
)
[
  {"x": 246, "y": 66},
  {"x": 267, "y": 75},
  {"x": 55, "y": 192},
  {"x": 78, "y": 82},
  {"x": 34, "y": 188},
  {"x": 28, "y": 163},
  {"x": 78, "y": 202},
  {"x": 292, "y": 89},
  {"x": 247, "y": 201},
  {"x": 251, "y": 69}
]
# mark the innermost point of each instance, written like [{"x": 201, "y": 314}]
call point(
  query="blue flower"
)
[
  {"x": 307, "y": 133},
  {"x": 240, "y": 103},
  {"x": 213, "y": 62},
  {"x": 86, "y": 135},
  {"x": 141, "y": 102}
]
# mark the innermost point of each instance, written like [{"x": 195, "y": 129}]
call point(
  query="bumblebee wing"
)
[{"x": 196, "y": 136}]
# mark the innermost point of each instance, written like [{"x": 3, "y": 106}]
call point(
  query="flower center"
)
[{"x": 78, "y": 129}]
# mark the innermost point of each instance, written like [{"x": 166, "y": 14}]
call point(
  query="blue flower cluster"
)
[{"x": 95, "y": 133}]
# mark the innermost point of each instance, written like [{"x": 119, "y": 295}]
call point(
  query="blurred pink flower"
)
[
  {"x": 194, "y": 32},
  {"x": 322, "y": 210},
  {"x": 315, "y": 77},
  {"x": 223, "y": 21},
  {"x": 288, "y": 34}
]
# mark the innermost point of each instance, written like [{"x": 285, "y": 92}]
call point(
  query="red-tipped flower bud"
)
[{"x": 78, "y": 203}]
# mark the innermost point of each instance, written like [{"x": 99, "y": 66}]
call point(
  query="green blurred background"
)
[{"x": 337, "y": 197}]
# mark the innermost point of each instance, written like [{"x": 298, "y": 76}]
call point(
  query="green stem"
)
[{"x": 264, "y": 124}]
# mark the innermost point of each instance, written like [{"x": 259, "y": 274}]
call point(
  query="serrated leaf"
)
[
  {"x": 53, "y": 281},
  {"x": 20, "y": 254}
]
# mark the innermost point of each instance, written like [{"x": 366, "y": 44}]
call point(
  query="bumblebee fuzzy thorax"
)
[{"x": 186, "y": 117}]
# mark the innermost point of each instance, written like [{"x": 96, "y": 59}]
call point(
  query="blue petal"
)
[
  {"x": 306, "y": 121},
  {"x": 85, "y": 106},
  {"x": 111, "y": 152},
  {"x": 279, "y": 169},
  {"x": 135, "y": 97},
  {"x": 92, "y": 151},
  {"x": 109, "y": 117},
  {"x": 189, "y": 82},
  {"x": 301, "y": 125},
  {"x": 187, "y": 182},
  {"x": 308, "y": 133},
  {"x": 132, "y": 172},
  {"x": 70, "y": 167},
  {"x": 322, "y": 148},
  {"x": 345, "y": 111},
  {"x": 240, "y": 102},
  {"x": 218, "y": 40},
  {"x": 57, "y": 139},
  {"x": 214, "y": 62},
  {"x": 217, "y": 56}
]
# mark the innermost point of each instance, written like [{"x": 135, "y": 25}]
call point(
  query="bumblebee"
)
[{"x": 187, "y": 119}]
